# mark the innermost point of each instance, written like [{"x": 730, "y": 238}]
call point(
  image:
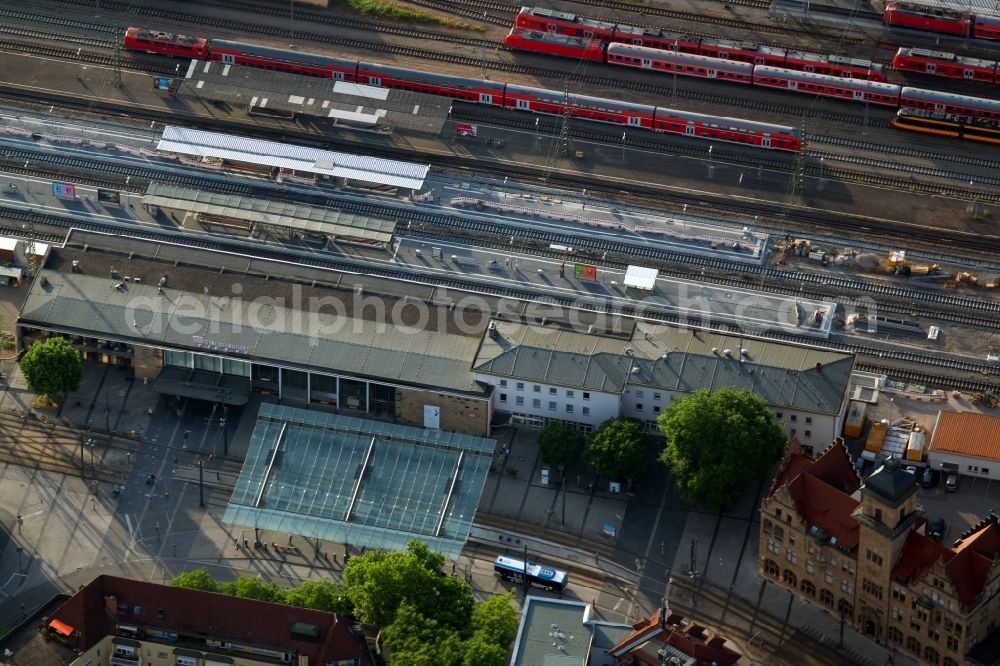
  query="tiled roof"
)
[
  {"x": 822, "y": 489},
  {"x": 968, "y": 564},
  {"x": 828, "y": 508},
  {"x": 674, "y": 633},
  {"x": 967, "y": 434},
  {"x": 204, "y": 615}
]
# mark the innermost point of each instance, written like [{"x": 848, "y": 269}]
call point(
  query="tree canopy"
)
[
  {"x": 718, "y": 442},
  {"x": 617, "y": 449},
  {"x": 427, "y": 617},
  {"x": 52, "y": 366},
  {"x": 196, "y": 579},
  {"x": 560, "y": 444}
]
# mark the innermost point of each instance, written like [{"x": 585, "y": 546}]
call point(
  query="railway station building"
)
[{"x": 217, "y": 327}]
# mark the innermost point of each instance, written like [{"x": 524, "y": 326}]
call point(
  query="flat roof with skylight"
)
[{"x": 360, "y": 482}]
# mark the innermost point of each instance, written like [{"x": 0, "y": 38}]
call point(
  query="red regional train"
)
[
  {"x": 562, "y": 23},
  {"x": 939, "y": 63},
  {"x": 493, "y": 93},
  {"x": 951, "y": 18},
  {"x": 854, "y": 90}
]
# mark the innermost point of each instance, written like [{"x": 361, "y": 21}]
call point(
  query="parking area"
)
[{"x": 973, "y": 498}]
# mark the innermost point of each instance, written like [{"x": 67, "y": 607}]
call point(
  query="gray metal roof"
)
[
  {"x": 553, "y": 632},
  {"x": 669, "y": 358},
  {"x": 366, "y": 483},
  {"x": 200, "y": 143},
  {"x": 275, "y": 213},
  {"x": 251, "y": 325}
]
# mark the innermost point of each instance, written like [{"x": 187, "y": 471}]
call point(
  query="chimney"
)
[{"x": 819, "y": 367}]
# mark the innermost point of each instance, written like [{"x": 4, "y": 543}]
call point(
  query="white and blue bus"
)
[{"x": 514, "y": 570}]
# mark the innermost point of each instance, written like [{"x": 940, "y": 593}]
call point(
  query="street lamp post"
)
[
  {"x": 201, "y": 482},
  {"x": 562, "y": 487}
]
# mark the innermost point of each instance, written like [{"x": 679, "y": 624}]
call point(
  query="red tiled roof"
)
[
  {"x": 967, "y": 565},
  {"x": 828, "y": 508},
  {"x": 822, "y": 491},
  {"x": 686, "y": 637},
  {"x": 967, "y": 434},
  {"x": 917, "y": 556},
  {"x": 209, "y": 615}
]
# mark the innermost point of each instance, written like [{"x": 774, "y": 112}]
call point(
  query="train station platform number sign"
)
[
  {"x": 464, "y": 129},
  {"x": 585, "y": 272},
  {"x": 67, "y": 190},
  {"x": 109, "y": 197},
  {"x": 163, "y": 83}
]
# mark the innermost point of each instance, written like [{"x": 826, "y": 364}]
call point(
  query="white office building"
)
[{"x": 543, "y": 373}]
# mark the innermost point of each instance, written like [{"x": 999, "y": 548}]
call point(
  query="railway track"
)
[
  {"x": 613, "y": 81},
  {"x": 655, "y": 142},
  {"x": 459, "y": 283}
]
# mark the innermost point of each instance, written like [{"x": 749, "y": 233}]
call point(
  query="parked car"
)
[
  {"x": 936, "y": 528},
  {"x": 910, "y": 469},
  {"x": 951, "y": 482},
  {"x": 929, "y": 478}
]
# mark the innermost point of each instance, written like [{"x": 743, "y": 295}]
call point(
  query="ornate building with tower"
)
[{"x": 859, "y": 550}]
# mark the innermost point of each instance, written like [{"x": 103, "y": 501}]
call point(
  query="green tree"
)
[
  {"x": 617, "y": 449},
  {"x": 196, "y": 579},
  {"x": 413, "y": 638},
  {"x": 251, "y": 587},
  {"x": 480, "y": 651},
  {"x": 718, "y": 442},
  {"x": 52, "y": 366},
  {"x": 496, "y": 619},
  {"x": 379, "y": 582},
  {"x": 324, "y": 595},
  {"x": 560, "y": 444}
]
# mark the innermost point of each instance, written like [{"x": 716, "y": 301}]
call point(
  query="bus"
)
[{"x": 513, "y": 570}]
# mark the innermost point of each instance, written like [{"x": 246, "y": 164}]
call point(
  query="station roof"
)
[
  {"x": 641, "y": 277},
  {"x": 671, "y": 359},
  {"x": 338, "y": 102},
  {"x": 200, "y": 143},
  {"x": 274, "y": 213},
  {"x": 357, "y": 481},
  {"x": 239, "y": 307}
]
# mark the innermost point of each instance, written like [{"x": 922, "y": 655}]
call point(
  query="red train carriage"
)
[
  {"x": 684, "y": 64},
  {"x": 731, "y": 130},
  {"x": 939, "y": 63},
  {"x": 948, "y": 103},
  {"x": 153, "y": 41},
  {"x": 265, "y": 57},
  {"x": 856, "y": 90},
  {"x": 579, "y": 48},
  {"x": 834, "y": 65},
  {"x": 742, "y": 52},
  {"x": 479, "y": 91},
  {"x": 656, "y": 39},
  {"x": 924, "y": 15},
  {"x": 986, "y": 27},
  {"x": 548, "y": 20},
  {"x": 539, "y": 100}
]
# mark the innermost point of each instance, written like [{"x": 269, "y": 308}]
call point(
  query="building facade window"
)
[
  {"x": 771, "y": 568},
  {"x": 503, "y": 383},
  {"x": 536, "y": 403},
  {"x": 586, "y": 395},
  {"x": 586, "y": 411},
  {"x": 570, "y": 393},
  {"x": 519, "y": 401},
  {"x": 826, "y": 598},
  {"x": 552, "y": 405},
  {"x": 536, "y": 388},
  {"x": 553, "y": 390},
  {"x": 895, "y": 636},
  {"x": 503, "y": 397},
  {"x": 808, "y": 588}
]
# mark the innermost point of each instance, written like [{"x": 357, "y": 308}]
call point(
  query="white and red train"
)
[
  {"x": 479, "y": 91},
  {"x": 979, "y": 20},
  {"x": 940, "y": 63},
  {"x": 763, "y": 76},
  {"x": 595, "y": 36}
]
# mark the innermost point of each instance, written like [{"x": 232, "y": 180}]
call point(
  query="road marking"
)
[
  {"x": 128, "y": 521},
  {"x": 32, "y": 515}
]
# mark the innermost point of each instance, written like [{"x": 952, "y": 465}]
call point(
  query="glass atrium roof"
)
[{"x": 360, "y": 482}]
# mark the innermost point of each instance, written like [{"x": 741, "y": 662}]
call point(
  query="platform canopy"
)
[
  {"x": 358, "y": 481},
  {"x": 373, "y": 170},
  {"x": 641, "y": 277}
]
